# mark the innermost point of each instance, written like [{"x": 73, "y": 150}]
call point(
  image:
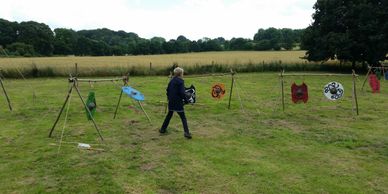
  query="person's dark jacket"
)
[{"x": 176, "y": 94}]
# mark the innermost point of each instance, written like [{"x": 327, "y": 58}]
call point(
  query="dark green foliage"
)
[
  {"x": 8, "y": 32},
  {"x": 276, "y": 39},
  {"x": 65, "y": 41},
  {"x": 38, "y": 35},
  {"x": 156, "y": 45},
  {"x": 354, "y": 31},
  {"x": 20, "y": 49},
  {"x": 240, "y": 44},
  {"x": 105, "y": 42}
]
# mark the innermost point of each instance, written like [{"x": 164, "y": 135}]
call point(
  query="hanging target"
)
[
  {"x": 378, "y": 73},
  {"x": 136, "y": 95},
  {"x": 333, "y": 90},
  {"x": 218, "y": 91},
  {"x": 299, "y": 93},
  {"x": 374, "y": 83},
  {"x": 190, "y": 94},
  {"x": 91, "y": 104}
]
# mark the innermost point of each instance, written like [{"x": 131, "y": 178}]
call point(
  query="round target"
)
[
  {"x": 218, "y": 90},
  {"x": 333, "y": 90}
]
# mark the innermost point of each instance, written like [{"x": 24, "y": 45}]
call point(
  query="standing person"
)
[{"x": 176, "y": 97}]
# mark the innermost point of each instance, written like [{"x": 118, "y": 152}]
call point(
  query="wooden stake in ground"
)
[
  {"x": 231, "y": 88},
  {"x": 6, "y": 95},
  {"x": 354, "y": 90},
  {"x": 282, "y": 86},
  {"x": 125, "y": 80},
  {"x": 142, "y": 108}
]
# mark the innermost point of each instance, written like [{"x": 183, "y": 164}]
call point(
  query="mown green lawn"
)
[{"x": 318, "y": 147}]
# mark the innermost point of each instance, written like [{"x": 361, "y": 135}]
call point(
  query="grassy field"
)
[
  {"x": 140, "y": 65},
  {"x": 318, "y": 147},
  {"x": 187, "y": 59}
]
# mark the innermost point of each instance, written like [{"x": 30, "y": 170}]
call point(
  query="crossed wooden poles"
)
[{"x": 74, "y": 85}]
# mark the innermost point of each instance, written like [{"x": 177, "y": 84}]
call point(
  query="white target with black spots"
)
[{"x": 333, "y": 90}]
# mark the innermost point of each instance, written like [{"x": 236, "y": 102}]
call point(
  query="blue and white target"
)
[{"x": 136, "y": 95}]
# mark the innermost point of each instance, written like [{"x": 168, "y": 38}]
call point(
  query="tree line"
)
[
  {"x": 37, "y": 39},
  {"x": 355, "y": 31}
]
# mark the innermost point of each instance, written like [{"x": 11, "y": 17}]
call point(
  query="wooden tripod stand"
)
[
  {"x": 74, "y": 85},
  {"x": 118, "y": 103}
]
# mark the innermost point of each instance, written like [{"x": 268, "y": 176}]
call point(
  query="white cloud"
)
[{"x": 192, "y": 18}]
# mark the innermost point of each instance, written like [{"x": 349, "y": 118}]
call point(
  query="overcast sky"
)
[{"x": 194, "y": 19}]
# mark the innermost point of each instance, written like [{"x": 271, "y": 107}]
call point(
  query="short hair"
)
[{"x": 178, "y": 71}]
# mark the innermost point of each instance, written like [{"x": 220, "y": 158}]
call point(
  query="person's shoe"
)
[
  {"x": 162, "y": 131},
  {"x": 188, "y": 135}
]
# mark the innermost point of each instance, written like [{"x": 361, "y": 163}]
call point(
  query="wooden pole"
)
[
  {"x": 355, "y": 91},
  {"x": 6, "y": 95},
  {"x": 141, "y": 106},
  {"x": 118, "y": 104},
  {"x": 87, "y": 109},
  {"x": 63, "y": 107},
  {"x": 316, "y": 74},
  {"x": 282, "y": 87},
  {"x": 125, "y": 79},
  {"x": 231, "y": 88},
  {"x": 366, "y": 77},
  {"x": 100, "y": 80},
  {"x": 76, "y": 70}
]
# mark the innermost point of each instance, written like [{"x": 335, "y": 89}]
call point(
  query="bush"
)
[{"x": 21, "y": 49}]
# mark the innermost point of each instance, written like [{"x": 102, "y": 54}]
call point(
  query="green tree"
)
[
  {"x": 156, "y": 45},
  {"x": 143, "y": 47},
  {"x": 263, "y": 45},
  {"x": 240, "y": 44},
  {"x": 20, "y": 49},
  {"x": 38, "y": 35},
  {"x": 194, "y": 46},
  {"x": 288, "y": 38},
  {"x": 169, "y": 47},
  {"x": 354, "y": 31},
  {"x": 84, "y": 46},
  {"x": 65, "y": 41},
  {"x": 182, "y": 44},
  {"x": 8, "y": 32},
  {"x": 273, "y": 35}
]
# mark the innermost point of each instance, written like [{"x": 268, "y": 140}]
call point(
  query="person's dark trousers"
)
[{"x": 168, "y": 118}]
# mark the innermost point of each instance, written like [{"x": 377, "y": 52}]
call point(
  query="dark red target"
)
[{"x": 299, "y": 93}]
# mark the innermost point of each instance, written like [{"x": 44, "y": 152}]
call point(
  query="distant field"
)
[
  {"x": 194, "y": 63},
  {"x": 187, "y": 59}
]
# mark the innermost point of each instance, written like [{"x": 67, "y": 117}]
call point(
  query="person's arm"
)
[{"x": 181, "y": 88}]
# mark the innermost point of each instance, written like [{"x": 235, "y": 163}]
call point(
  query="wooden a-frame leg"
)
[
  {"x": 6, "y": 95},
  {"x": 118, "y": 104},
  {"x": 63, "y": 107},
  {"x": 90, "y": 114},
  {"x": 366, "y": 77},
  {"x": 141, "y": 106}
]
